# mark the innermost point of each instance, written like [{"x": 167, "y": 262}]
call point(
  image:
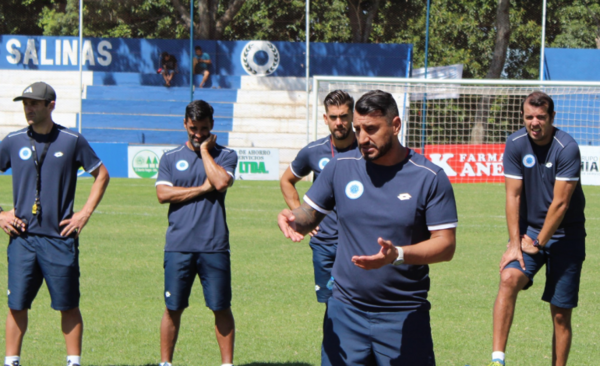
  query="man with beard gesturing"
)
[{"x": 392, "y": 202}]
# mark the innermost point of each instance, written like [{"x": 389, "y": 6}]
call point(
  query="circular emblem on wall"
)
[
  {"x": 323, "y": 162},
  {"x": 145, "y": 164},
  {"x": 354, "y": 189},
  {"x": 529, "y": 161},
  {"x": 25, "y": 153},
  {"x": 182, "y": 165},
  {"x": 250, "y": 52}
]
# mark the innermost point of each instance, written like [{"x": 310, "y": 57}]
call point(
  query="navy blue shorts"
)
[
  {"x": 214, "y": 270},
  {"x": 323, "y": 258},
  {"x": 355, "y": 337},
  {"x": 563, "y": 270},
  {"x": 35, "y": 258}
]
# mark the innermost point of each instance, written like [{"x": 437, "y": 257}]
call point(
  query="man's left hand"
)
[
  {"x": 74, "y": 224},
  {"x": 209, "y": 143},
  {"x": 386, "y": 255},
  {"x": 527, "y": 245}
]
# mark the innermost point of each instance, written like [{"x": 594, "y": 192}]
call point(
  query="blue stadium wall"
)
[
  {"x": 578, "y": 115},
  {"x": 114, "y": 55}
]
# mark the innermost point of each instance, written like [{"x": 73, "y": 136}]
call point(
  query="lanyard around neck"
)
[{"x": 37, "y": 206}]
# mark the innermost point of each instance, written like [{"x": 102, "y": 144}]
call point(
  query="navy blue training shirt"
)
[
  {"x": 539, "y": 167},
  {"x": 313, "y": 157},
  {"x": 67, "y": 152},
  {"x": 402, "y": 203},
  {"x": 197, "y": 225}
]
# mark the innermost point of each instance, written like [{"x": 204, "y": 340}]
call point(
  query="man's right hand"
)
[
  {"x": 286, "y": 223},
  {"x": 10, "y": 223},
  {"x": 513, "y": 253}
]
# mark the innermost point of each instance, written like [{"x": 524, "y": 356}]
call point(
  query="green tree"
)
[
  {"x": 576, "y": 25},
  {"x": 21, "y": 16},
  {"x": 113, "y": 18}
]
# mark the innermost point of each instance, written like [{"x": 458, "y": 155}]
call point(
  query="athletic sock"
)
[
  {"x": 73, "y": 360},
  {"x": 165, "y": 364},
  {"x": 10, "y": 360},
  {"x": 227, "y": 364},
  {"x": 498, "y": 357}
]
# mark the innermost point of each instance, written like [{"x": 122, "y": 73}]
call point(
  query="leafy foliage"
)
[{"x": 461, "y": 31}]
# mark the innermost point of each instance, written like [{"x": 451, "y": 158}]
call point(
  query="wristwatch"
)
[
  {"x": 1, "y": 209},
  {"x": 398, "y": 261},
  {"x": 536, "y": 243}
]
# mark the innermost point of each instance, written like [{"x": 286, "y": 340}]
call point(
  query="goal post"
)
[{"x": 462, "y": 124}]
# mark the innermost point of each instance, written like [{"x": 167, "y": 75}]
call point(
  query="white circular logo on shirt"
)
[
  {"x": 529, "y": 161},
  {"x": 25, "y": 153},
  {"x": 182, "y": 165},
  {"x": 323, "y": 162},
  {"x": 354, "y": 189}
]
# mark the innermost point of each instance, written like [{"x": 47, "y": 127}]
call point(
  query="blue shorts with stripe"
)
[
  {"x": 35, "y": 258},
  {"x": 214, "y": 270},
  {"x": 564, "y": 260},
  {"x": 352, "y": 336}
]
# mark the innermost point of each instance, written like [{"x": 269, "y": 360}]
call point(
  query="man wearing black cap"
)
[{"x": 42, "y": 226}]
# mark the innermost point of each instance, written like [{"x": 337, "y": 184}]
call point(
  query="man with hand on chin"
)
[
  {"x": 392, "y": 202},
  {"x": 545, "y": 218},
  {"x": 193, "y": 179},
  {"x": 44, "y": 230}
]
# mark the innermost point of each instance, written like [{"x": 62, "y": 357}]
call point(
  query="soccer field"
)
[{"x": 278, "y": 320}]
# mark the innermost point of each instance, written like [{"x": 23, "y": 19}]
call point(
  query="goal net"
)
[{"x": 462, "y": 125}]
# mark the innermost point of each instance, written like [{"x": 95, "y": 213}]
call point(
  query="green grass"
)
[{"x": 278, "y": 320}]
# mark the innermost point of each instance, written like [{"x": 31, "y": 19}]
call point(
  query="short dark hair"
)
[
  {"x": 198, "y": 48},
  {"x": 377, "y": 101},
  {"x": 539, "y": 99},
  {"x": 199, "y": 110},
  {"x": 338, "y": 98},
  {"x": 165, "y": 54}
]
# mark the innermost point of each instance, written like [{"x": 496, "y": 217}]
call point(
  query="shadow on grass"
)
[
  {"x": 245, "y": 364},
  {"x": 276, "y": 364}
]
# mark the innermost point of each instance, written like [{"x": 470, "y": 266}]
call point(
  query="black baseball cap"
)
[{"x": 38, "y": 91}]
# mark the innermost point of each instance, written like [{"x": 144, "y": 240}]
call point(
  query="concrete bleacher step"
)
[
  {"x": 143, "y": 122},
  {"x": 276, "y": 125},
  {"x": 272, "y": 140},
  {"x": 136, "y": 136},
  {"x": 153, "y": 93},
  {"x": 17, "y": 119},
  {"x": 179, "y": 80},
  {"x": 22, "y": 78},
  {"x": 148, "y": 107},
  {"x": 61, "y": 106},
  {"x": 289, "y": 111}
]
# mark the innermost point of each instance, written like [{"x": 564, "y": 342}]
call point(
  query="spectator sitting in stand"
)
[
  {"x": 169, "y": 67},
  {"x": 201, "y": 62}
]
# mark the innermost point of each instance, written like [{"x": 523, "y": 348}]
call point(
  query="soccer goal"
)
[{"x": 462, "y": 125}]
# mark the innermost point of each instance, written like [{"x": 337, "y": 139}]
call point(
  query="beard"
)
[
  {"x": 194, "y": 143},
  {"x": 341, "y": 134},
  {"x": 379, "y": 150}
]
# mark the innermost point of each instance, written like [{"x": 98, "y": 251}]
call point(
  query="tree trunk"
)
[
  {"x": 495, "y": 71},
  {"x": 361, "y": 14},
  {"x": 207, "y": 25}
]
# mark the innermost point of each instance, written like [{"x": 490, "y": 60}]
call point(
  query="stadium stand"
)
[{"x": 124, "y": 107}]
